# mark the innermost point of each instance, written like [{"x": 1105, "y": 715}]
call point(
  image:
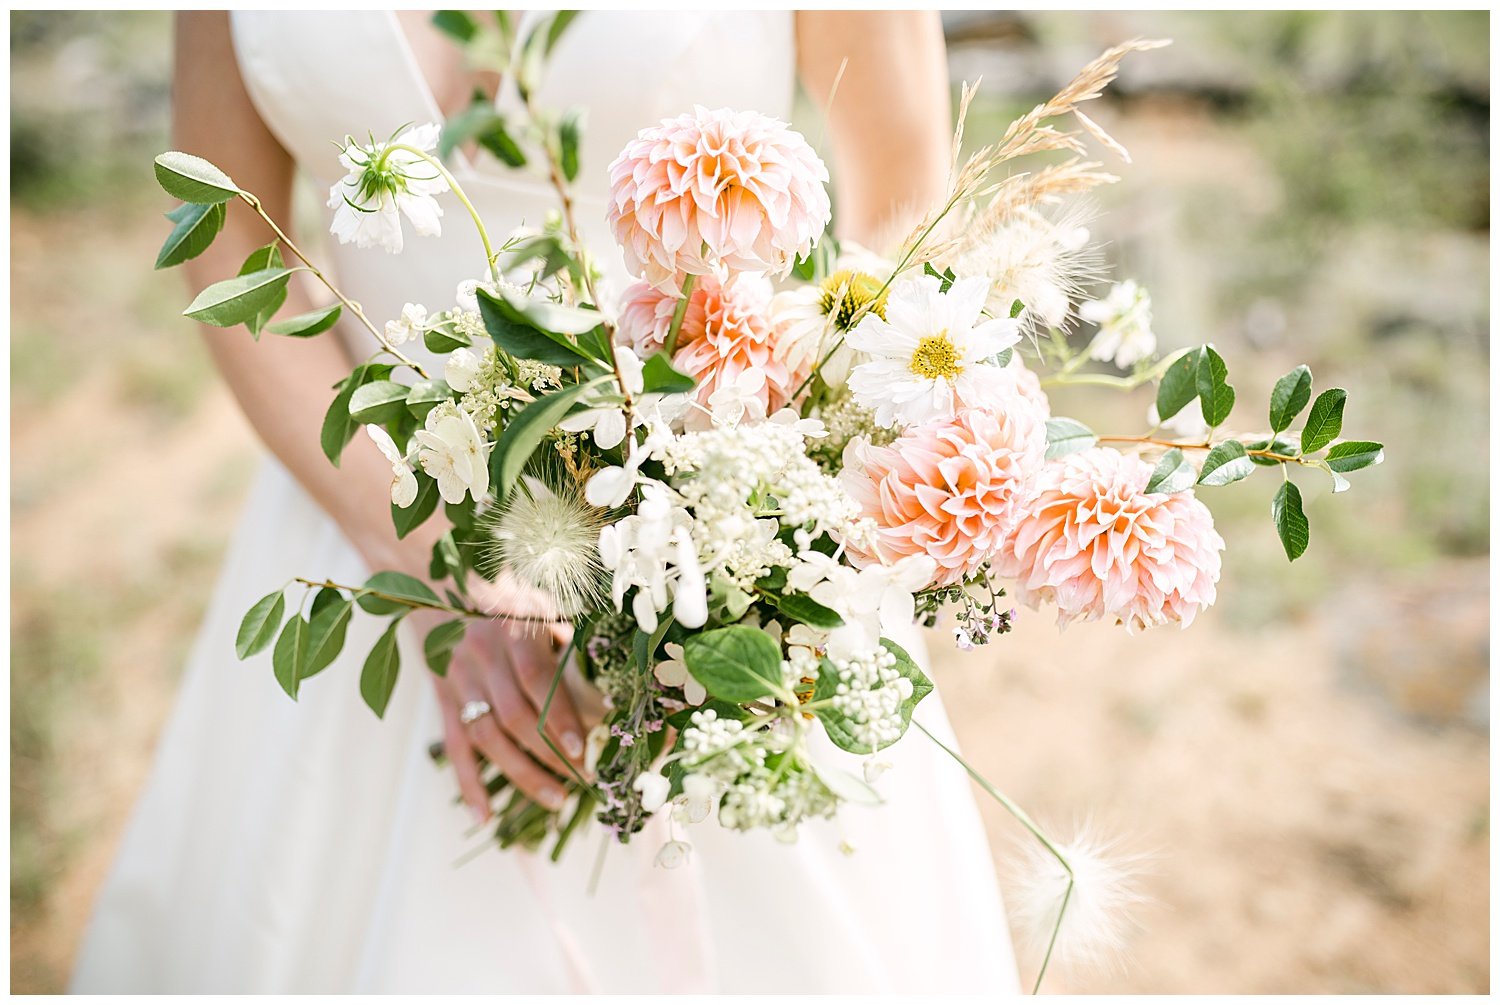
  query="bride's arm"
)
[
  {"x": 285, "y": 386},
  {"x": 889, "y": 124}
]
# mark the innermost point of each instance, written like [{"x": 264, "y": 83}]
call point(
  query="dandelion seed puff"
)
[
  {"x": 549, "y": 540},
  {"x": 1098, "y": 923}
]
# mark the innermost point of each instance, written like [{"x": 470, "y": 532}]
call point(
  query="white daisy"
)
[
  {"x": 384, "y": 183},
  {"x": 931, "y": 353},
  {"x": 403, "y": 482}
]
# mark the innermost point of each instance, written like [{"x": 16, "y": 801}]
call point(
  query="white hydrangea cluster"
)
[
  {"x": 727, "y": 763},
  {"x": 869, "y": 694},
  {"x": 653, "y": 550},
  {"x": 487, "y": 386}
]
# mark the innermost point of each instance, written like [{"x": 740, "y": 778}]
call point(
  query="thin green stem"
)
[
  {"x": 1030, "y": 825},
  {"x": 484, "y": 236},
  {"x": 541, "y": 722},
  {"x": 680, "y": 312},
  {"x": 351, "y": 306},
  {"x": 467, "y": 612}
]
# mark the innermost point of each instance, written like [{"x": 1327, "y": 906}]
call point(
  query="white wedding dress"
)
[{"x": 309, "y": 847}]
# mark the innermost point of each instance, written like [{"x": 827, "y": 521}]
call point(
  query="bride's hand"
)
[{"x": 510, "y": 665}]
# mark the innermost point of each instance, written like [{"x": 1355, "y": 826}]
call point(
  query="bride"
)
[{"x": 309, "y": 847}]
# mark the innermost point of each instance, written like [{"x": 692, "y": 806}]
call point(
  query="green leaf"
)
[
  {"x": 193, "y": 179},
  {"x": 1215, "y": 393},
  {"x": 737, "y": 663},
  {"x": 440, "y": 643},
  {"x": 532, "y": 330},
  {"x": 800, "y": 607},
  {"x": 569, "y": 131},
  {"x": 457, "y": 24},
  {"x": 480, "y": 122},
  {"x": 1225, "y": 463},
  {"x": 1290, "y": 521},
  {"x": 413, "y": 516},
  {"x": 526, "y": 430},
  {"x": 259, "y": 625},
  {"x": 1325, "y": 421},
  {"x": 1173, "y": 473},
  {"x": 378, "y": 678},
  {"x": 839, "y": 730},
  {"x": 261, "y": 259},
  {"x": 395, "y": 588},
  {"x": 378, "y": 402},
  {"x": 1016, "y": 308},
  {"x": 560, "y": 22},
  {"x": 1277, "y": 446},
  {"x": 196, "y": 226},
  {"x": 338, "y": 425},
  {"x": 1351, "y": 455},
  {"x": 1067, "y": 436},
  {"x": 331, "y": 611},
  {"x": 426, "y": 395},
  {"x": 1179, "y": 385},
  {"x": 290, "y": 655},
  {"x": 444, "y": 340},
  {"x": 307, "y": 325},
  {"x": 1289, "y": 397},
  {"x": 241, "y": 299},
  {"x": 1003, "y": 357},
  {"x": 660, "y": 378}
]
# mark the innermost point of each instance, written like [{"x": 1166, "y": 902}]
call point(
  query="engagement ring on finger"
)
[{"x": 473, "y": 711}]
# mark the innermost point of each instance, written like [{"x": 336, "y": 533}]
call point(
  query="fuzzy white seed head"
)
[
  {"x": 1098, "y": 923},
  {"x": 549, "y": 540}
]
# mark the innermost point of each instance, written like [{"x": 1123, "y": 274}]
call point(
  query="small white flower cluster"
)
[
  {"x": 869, "y": 694},
  {"x": 487, "y": 389},
  {"x": 652, "y": 550},
  {"x": 726, "y": 763}
]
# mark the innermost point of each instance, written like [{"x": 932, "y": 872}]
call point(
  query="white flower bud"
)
[{"x": 673, "y": 854}]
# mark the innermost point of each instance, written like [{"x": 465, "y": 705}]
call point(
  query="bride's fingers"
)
[
  {"x": 524, "y": 773},
  {"x": 536, "y": 664},
  {"x": 461, "y": 756},
  {"x": 516, "y": 715}
]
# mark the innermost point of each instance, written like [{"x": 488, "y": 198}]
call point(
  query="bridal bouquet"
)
[{"x": 736, "y": 474}]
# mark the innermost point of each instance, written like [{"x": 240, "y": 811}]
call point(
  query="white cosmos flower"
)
[
  {"x": 453, "y": 452},
  {"x": 403, "y": 482},
  {"x": 410, "y": 324},
  {"x": 931, "y": 354},
  {"x": 462, "y": 370},
  {"x": 382, "y": 184},
  {"x": 673, "y": 672},
  {"x": 1124, "y": 320}
]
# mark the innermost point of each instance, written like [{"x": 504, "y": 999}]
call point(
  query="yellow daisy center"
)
[
  {"x": 936, "y": 357},
  {"x": 846, "y": 292}
]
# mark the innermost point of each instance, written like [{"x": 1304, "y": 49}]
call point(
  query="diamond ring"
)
[{"x": 473, "y": 711}]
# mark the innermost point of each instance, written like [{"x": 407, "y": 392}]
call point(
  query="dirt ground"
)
[{"x": 1306, "y": 768}]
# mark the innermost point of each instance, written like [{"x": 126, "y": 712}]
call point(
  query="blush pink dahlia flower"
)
[
  {"x": 743, "y": 361},
  {"x": 953, "y": 489},
  {"x": 736, "y": 189},
  {"x": 1097, "y": 544}
]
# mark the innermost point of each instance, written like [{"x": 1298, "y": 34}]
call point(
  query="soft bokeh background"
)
[{"x": 1308, "y": 765}]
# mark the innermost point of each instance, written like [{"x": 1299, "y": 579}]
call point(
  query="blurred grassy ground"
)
[{"x": 1309, "y": 761}]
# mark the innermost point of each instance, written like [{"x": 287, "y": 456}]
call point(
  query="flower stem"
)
[
  {"x": 1269, "y": 455},
  {"x": 353, "y": 308},
  {"x": 467, "y": 612},
  {"x": 484, "y": 236},
  {"x": 1036, "y": 832},
  {"x": 680, "y": 312}
]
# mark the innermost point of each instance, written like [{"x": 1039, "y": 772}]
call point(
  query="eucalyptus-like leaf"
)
[
  {"x": 457, "y": 24},
  {"x": 1351, "y": 455},
  {"x": 409, "y": 518},
  {"x": 1290, "y": 521},
  {"x": 338, "y": 425},
  {"x": 378, "y": 678},
  {"x": 444, "y": 340},
  {"x": 331, "y": 611},
  {"x": 241, "y": 299},
  {"x": 259, "y": 625},
  {"x": 193, "y": 179},
  {"x": 1289, "y": 397},
  {"x": 196, "y": 224},
  {"x": 307, "y": 325},
  {"x": 398, "y": 592},
  {"x": 440, "y": 643},
  {"x": 530, "y": 330},
  {"x": 259, "y": 260},
  {"x": 1173, "y": 473},
  {"x": 1067, "y": 436},
  {"x": 289, "y": 658},
  {"x": 1179, "y": 385},
  {"x": 1325, "y": 421},
  {"x": 569, "y": 133},
  {"x": 425, "y": 395},
  {"x": 379, "y": 401},
  {"x": 1225, "y": 463},
  {"x": 1214, "y": 391}
]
